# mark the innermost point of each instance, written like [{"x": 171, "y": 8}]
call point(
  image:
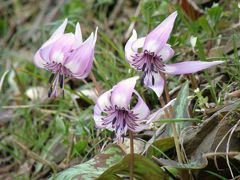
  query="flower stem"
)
[
  {"x": 131, "y": 162},
  {"x": 170, "y": 114},
  {"x": 95, "y": 83}
]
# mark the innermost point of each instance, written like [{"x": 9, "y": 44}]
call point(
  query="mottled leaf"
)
[
  {"x": 160, "y": 146},
  {"x": 93, "y": 168},
  {"x": 144, "y": 169},
  {"x": 194, "y": 164},
  {"x": 181, "y": 106}
]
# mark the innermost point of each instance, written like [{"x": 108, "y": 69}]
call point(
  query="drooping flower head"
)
[
  {"x": 66, "y": 55},
  {"x": 155, "y": 53},
  {"x": 114, "y": 111}
]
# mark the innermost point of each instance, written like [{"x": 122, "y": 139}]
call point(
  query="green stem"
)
[
  {"x": 131, "y": 162},
  {"x": 169, "y": 114}
]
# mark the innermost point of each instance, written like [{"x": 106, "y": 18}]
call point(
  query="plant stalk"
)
[
  {"x": 170, "y": 114},
  {"x": 131, "y": 162},
  {"x": 95, "y": 83}
]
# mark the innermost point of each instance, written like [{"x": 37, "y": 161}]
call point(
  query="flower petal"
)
[
  {"x": 122, "y": 92},
  {"x": 158, "y": 37},
  {"x": 160, "y": 112},
  {"x": 140, "y": 109},
  {"x": 59, "y": 31},
  {"x": 138, "y": 44},
  {"x": 166, "y": 52},
  {"x": 80, "y": 61},
  {"x": 38, "y": 60},
  {"x": 59, "y": 50},
  {"x": 155, "y": 82},
  {"x": 129, "y": 51},
  {"x": 104, "y": 100},
  {"x": 77, "y": 36},
  {"x": 188, "y": 67},
  {"x": 102, "y": 103}
]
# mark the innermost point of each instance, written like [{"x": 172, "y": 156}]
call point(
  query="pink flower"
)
[
  {"x": 115, "y": 111},
  {"x": 155, "y": 53},
  {"x": 66, "y": 55}
]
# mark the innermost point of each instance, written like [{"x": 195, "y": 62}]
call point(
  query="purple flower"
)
[
  {"x": 66, "y": 55},
  {"x": 113, "y": 109},
  {"x": 116, "y": 111},
  {"x": 155, "y": 53}
]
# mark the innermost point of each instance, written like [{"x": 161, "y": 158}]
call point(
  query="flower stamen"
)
[
  {"x": 59, "y": 72},
  {"x": 150, "y": 63}
]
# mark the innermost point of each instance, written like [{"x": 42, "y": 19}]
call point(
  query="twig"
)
[
  {"x": 215, "y": 151},
  {"x": 115, "y": 12},
  {"x": 137, "y": 12},
  {"x": 227, "y": 148},
  {"x": 35, "y": 156},
  {"x": 193, "y": 81},
  {"x": 214, "y": 154}
]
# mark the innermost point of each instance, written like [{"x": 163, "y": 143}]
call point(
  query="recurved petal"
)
[
  {"x": 78, "y": 61},
  {"x": 77, "y": 36},
  {"x": 138, "y": 44},
  {"x": 158, "y": 37},
  {"x": 102, "y": 103},
  {"x": 188, "y": 67},
  {"x": 140, "y": 109},
  {"x": 129, "y": 51},
  {"x": 166, "y": 52},
  {"x": 160, "y": 112},
  {"x": 122, "y": 92},
  {"x": 38, "y": 61},
  {"x": 60, "y": 49},
  {"x": 59, "y": 31},
  {"x": 155, "y": 82}
]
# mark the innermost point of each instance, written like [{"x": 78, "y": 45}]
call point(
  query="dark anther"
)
[
  {"x": 51, "y": 78},
  {"x": 114, "y": 120},
  {"x": 153, "y": 80},
  {"x": 61, "y": 79},
  {"x": 152, "y": 67},
  {"x": 142, "y": 79},
  {"x": 124, "y": 123},
  {"x": 144, "y": 66},
  {"x": 50, "y": 91}
]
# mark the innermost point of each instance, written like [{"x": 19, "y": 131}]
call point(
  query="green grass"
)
[{"x": 38, "y": 124}]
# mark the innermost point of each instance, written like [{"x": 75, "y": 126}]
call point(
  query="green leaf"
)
[
  {"x": 199, "y": 163},
  {"x": 93, "y": 168},
  {"x": 79, "y": 147},
  {"x": 178, "y": 120},
  {"x": 160, "y": 146},
  {"x": 143, "y": 169},
  {"x": 181, "y": 106},
  {"x": 214, "y": 14}
]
